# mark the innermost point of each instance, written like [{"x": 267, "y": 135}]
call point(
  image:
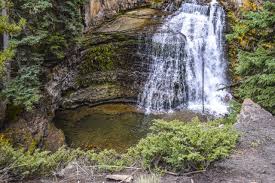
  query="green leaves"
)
[
  {"x": 33, "y": 7},
  {"x": 184, "y": 146},
  {"x": 25, "y": 88},
  {"x": 52, "y": 26},
  {"x": 254, "y": 26},
  {"x": 51, "y": 31},
  {"x": 261, "y": 61},
  {"x": 254, "y": 34},
  {"x": 9, "y": 28}
]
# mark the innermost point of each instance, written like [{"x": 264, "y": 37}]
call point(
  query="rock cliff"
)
[
  {"x": 111, "y": 66},
  {"x": 96, "y": 11}
]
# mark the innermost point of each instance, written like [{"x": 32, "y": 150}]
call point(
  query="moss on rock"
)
[{"x": 98, "y": 58}]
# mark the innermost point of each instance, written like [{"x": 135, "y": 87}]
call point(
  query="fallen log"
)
[{"x": 124, "y": 178}]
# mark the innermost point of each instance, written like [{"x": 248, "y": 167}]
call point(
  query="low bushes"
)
[
  {"x": 185, "y": 147},
  {"x": 174, "y": 146},
  {"x": 18, "y": 164}
]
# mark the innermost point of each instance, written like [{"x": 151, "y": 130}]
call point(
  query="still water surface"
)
[{"x": 110, "y": 126}]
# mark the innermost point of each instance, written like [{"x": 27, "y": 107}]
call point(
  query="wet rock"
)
[
  {"x": 110, "y": 68},
  {"x": 132, "y": 20},
  {"x": 99, "y": 94},
  {"x": 98, "y": 10}
]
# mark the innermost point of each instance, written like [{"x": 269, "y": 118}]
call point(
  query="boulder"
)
[
  {"x": 255, "y": 123},
  {"x": 254, "y": 158},
  {"x": 33, "y": 131}
]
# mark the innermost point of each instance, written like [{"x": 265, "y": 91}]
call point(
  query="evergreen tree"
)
[
  {"x": 7, "y": 27},
  {"x": 254, "y": 33},
  {"x": 52, "y": 29}
]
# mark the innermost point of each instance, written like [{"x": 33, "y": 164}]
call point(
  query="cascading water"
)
[{"x": 189, "y": 66}]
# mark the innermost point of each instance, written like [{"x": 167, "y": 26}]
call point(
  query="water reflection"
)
[{"x": 110, "y": 126}]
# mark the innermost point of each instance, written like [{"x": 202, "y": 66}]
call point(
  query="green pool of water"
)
[
  {"x": 112, "y": 126},
  {"x": 115, "y": 126}
]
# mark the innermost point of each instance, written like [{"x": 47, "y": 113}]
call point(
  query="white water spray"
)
[{"x": 189, "y": 65}]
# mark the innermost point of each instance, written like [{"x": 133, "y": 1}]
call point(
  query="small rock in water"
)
[{"x": 124, "y": 178}]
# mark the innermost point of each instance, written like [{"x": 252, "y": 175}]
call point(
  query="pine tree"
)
[
  {"x": 254, "y": 33},
  {"x": 7, "y": 27},
  {"x": 52, "y": 30}
]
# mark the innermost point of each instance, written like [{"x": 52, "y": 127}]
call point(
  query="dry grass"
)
[{"x": 148, "y": 179}]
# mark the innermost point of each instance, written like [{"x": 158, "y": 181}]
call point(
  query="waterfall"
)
[{"x": 188, "y": 62}]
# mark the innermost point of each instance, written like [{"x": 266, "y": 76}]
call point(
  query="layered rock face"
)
[
  {"x": 112, "y": 67},
  {"x": 98, "y": 10}
]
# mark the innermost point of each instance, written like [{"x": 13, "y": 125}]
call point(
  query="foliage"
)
[
  {"x": 51, "y": 31},
  {"x": 24, "y": 89},
  {"x": 231, "y": 119},
  {"x": 8, "y": 27},
  {"x": 20, "y": 164},
  {"x": 53, "y": 26},
  {"x": 184, "y": 146},
  {"x": 171, "y": 145},
  {"x": 254, "y": 35},
  {"x": 39, "y": 163},
  {"x": 99, "y": 58},
  {"x": 258, "y": 70}
]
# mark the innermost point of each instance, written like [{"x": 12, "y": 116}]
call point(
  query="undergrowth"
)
[
  {"x": 178, "y": 146},
  {"x": 171, "y": 146}
]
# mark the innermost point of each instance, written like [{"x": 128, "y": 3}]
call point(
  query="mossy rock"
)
[{"x": 54, "y": 139}]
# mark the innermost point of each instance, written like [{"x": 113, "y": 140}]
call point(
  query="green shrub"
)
[
  {"x": 17, "y": 163},
  {"x": 235, "y": 108},
  {"x": 24, "y": 90},
  {"x": 258, "y": 71},
  {"x": 20, "y": 164},
  {"x": 174, "y": 146},
  {"x": 182, "y": 146}
]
